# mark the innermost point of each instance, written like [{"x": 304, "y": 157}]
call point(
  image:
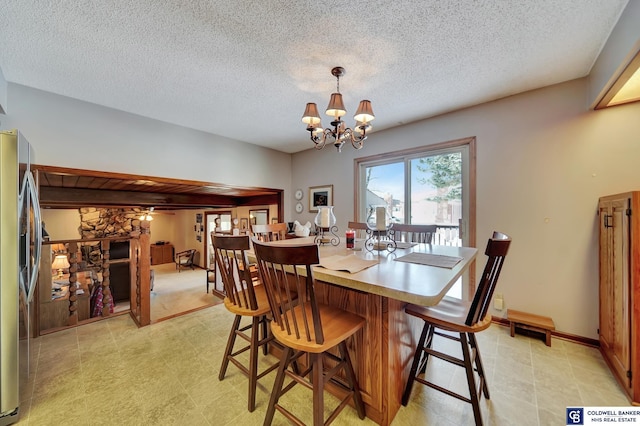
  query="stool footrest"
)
[{"x": 532, "y": 322}]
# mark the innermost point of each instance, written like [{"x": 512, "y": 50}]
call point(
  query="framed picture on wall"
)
[
  {"x": 244, "y": 224},
  {"x": 320, "y": 196}
]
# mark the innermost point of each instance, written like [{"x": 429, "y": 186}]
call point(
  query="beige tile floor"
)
[{"x": 112, "y": 373}]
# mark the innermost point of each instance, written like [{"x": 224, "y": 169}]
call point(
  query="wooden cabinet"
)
[
  {"x": 161, "y": 253},
  {"x": 54, "y": 306},
  {"x": 619, "y": 217}
]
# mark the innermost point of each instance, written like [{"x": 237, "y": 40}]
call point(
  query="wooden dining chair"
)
[
  {"x": 306, "y": 328},
  {"x": 244, "y": 297},
  {"x": 464, "y": 319},
  {"x": 414, "y": 233},
  {"x": 269, "y": 232}
]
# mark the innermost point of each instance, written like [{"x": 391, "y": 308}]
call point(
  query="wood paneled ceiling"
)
[{"x": 73, "y": 188}]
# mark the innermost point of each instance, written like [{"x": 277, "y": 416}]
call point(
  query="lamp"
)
[
  {"x": 340, "y": 133},
  {"x": 60, "y": 262}
]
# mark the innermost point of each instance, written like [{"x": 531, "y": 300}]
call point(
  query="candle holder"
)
[
  {"x": 326, "y": 229},
  {"x": 381, "y": 239},
  {"x": 327, "y": 236},
  {"x": 380, "y": 230}
]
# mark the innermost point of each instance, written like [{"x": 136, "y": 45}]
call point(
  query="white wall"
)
[
  {"x": 162, "y": 228},
  {"x": 70, "y": 133},
  {"x": 541, "y": 155},
  {"x": 62, "y": 224}
]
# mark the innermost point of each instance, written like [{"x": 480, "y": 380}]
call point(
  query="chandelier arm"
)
[
  {"x": 357, "y": 141},
  {"x": 318, "y": 142},
  {"x": 335, "y": 133}
]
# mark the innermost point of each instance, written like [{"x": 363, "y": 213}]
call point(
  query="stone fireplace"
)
[{"x": 107, "y": 222}]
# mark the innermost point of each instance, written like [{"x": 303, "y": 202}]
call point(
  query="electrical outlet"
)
[{"x": 498, "y": 302}]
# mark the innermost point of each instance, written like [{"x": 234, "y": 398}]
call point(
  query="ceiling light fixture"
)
[
  {"x": 147, "y": 216},
  {"x": 626, "y": 87},
  {"x": 340, "y": 133}
]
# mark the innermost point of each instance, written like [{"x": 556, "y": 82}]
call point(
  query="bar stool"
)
[
  {"x": 306, "y": 328},
  {"x": 245, "y": 297},
  {"x": 454, "y": 316}
]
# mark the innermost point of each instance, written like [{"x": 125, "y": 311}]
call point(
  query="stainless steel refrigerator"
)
[{"x": 20, "y": 250}]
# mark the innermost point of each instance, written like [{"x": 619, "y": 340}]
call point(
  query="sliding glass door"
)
[{"x": 428, "y": 185}]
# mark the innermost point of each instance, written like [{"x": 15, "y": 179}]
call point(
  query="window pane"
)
[
  {"x": 225, "y": 222},
  {"x": 385, "y": 186},
  {"x": 436, "y": 189}
]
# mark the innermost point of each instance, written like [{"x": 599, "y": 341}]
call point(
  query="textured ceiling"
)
[{"x": 245, "y": 69}]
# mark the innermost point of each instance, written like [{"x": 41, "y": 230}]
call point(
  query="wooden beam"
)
[
  {"x": 69, "y": 177},
  {"x": 78, "y": 197},
  {"x": 258, "y": 200}
]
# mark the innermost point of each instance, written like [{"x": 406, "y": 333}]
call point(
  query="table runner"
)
[{"x": 438, "y": 260}]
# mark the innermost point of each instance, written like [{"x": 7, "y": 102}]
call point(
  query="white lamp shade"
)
[
  {"x": 311, "y": 115},
  {"x": 360, "y": 127},
  {"x": 336, "y": 106},
  {"x": 364, "y": 113},
  {"x": 60, "y": 262}
]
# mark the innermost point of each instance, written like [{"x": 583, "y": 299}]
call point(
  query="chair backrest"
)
[
  {"x": 192, "y": 253},
  {"x": 270, "y": 232},
  {"x": 414, "y": 233},
  {"x": 280, "y": 271},
  {"x": 359, "y": 227},
  {"x": 496, "y": 250},
  {"x": 185, "y": 257},
  {"x": 231, "y": 259}
]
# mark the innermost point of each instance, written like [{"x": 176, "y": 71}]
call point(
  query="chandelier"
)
[{"x": 339, "y": 133}]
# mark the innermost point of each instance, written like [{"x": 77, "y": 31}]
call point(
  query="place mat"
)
[
  {"x": 348, "y": 263},
  {"x": 405, "y": 245},
  {"x": 438, "y": 260}
]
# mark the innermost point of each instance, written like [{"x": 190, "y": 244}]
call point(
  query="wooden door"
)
[
  {"x": 606, "y": 291},
  {"x": 620, "y": 286},
  {"x": 615, "y": 320}
]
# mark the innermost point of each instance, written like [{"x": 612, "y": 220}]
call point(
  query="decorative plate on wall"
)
[
  {"x": 299, "y": 194},
  {"x": 299, "y": 207}
]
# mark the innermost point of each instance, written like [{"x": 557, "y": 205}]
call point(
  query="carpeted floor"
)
[{"x": 178, "y": 292}]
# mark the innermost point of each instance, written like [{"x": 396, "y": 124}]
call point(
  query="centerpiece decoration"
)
[
  {"x": 380, "y": 230},
  {"x": 327, "y": 231}
]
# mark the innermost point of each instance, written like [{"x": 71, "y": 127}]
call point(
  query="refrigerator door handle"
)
[
  {"x": 35, "y": 203},
  {"x": 29, "y": 197}
]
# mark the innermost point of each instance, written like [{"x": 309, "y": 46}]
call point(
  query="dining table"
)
[{"x": 377, "y": 285}]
